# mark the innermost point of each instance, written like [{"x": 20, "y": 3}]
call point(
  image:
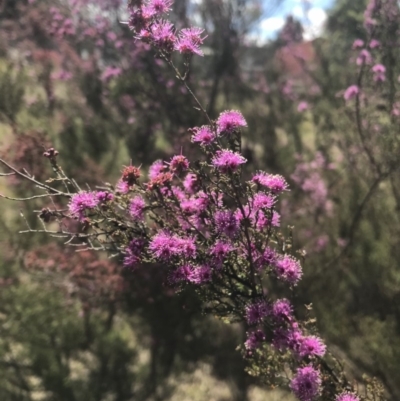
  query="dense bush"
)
[{"x": 100, "y": 97}]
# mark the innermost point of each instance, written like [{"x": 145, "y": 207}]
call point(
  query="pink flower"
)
[
  {"x": 396, "y": 110},
  {"x": 351, "y": 92},
  {"x": 374, "y": 44},
  {"x": 263, "y": 201},
  {"x": 275, "y": 183},
  {"x": 138, "y": 20},
  {"x": 254, "y": 339},
  {"x": 256, "y": 312},
  {"x": 191, "y": 183},
  {"x": 282, "y": 310},
  {"x": 287, "y": 338},
  {"x": 61, "y": 75},
  {"x": 226, "y": 223},
  {"x": 82, "y": 201},
  {"x": 104, "y": 196},
  {"x": 220, "y": 251},
  {"x": 122, "y": 187},
  {"x": 364, "y": 57},
  {"x": 162, "y": 35},
  {"x": 358, "y": 43},
  {"x": 203, "y": 135},
  {"x": 321, "y": 242},
  {"x": 276, "y": 219},
  {"x": 111, "y": 72},
  {"x": 178, "y": 164},
  {"x": 306, "y": 384},
  {"x": 303, "y": 106},
  {"x": 189, "y": 41},
  {"x": 288, "y": 269},
  {"x": 133, "y": 252},
  {"x": 185, "y": 247},
  {"x": 162, "y": 246},
  {"x": 200, "y": 275},
  {"x": 379, "y": 71},
  {"x": 156, "y": 169},
  {"x": 189, "y": 206},
  {"x": 269, "y": 256},
  {"x": 182, "y": 273},
  {"x": 228, "y": 161},
  {"x": 159, "y": 6},
  {"x": 230, "y": 121},
  {"x": 136, "y": 207},
  {"x": 311, "y": 346}
]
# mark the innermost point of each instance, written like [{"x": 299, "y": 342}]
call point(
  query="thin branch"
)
[
  {"x": 358, "y": 214},
  {"x": 31, "y": 197},
  {"x": 26, "y": 177}
]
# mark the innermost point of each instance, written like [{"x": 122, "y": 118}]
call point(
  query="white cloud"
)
[
  {"x": 298, "y": 12},
  {"x": 316, "y": 15},
  {"x": 272, "y": 24},
  {"x": 310, "y": 12},
  {"x": 317, "y": 18}
]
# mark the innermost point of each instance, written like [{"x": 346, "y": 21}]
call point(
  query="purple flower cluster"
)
[
  {"x": 156, "y": 169},
  {"x": 182, "y": 273},
  {"x": 200, "y": 274},
  {"x": 192, "y": 274},
  {"x": 133, "y": 253},
  {"x": 220, "y": 251},
  {"x": 289, "y": 337},
  {"x": 275, "y": 183},
  {"x": 162, "y": 35},
  {"x": 227, "y": 161},
  {"x": 263, "y": 201},
  {"x": 269, "y": 256},
  {"x": 351, "y": 92},
  {"x": 229, "y": 121},
  {"x": 358, "y": 44},
  {"x": 136, "y": 207},
  {"x": 122, "y": 187},
  {"x": 191, "y": 183},
  {"x": 311, "y": 346},
  {"x": 178, "y": 164},
  {"x": 165, "y": 245},
  {"x": 203, "y": 135},
  {"x": 288, "y": 269},
  {"x": 156, "y": 7},
  {"x": 190, "y": 40},
  {"x": 282, "y": 311},
  {"x": 254, "y": 339},
  {"x": 306, "y": 384},
  {"x": 82, "y": 201},
  {"x": 257, "y": 311},
  {"x": 147, "y": 24},
  {"x": 258, "y": 210},
  {"x": 379, "y": 71},
  {"x": 226, "y": 223},
  {"x": 364, "y": 57},
  {"x": 211, "y": 226}
]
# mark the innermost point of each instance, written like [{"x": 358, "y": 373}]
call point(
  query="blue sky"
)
[{"x": 312, "y": 13}]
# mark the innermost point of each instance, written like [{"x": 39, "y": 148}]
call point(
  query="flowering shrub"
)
[{"x": 213, "y": 228}]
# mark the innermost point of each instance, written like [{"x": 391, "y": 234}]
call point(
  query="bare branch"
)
[
  {"x": 27, "y": 177},
  {"x": 31, "y": 197}
]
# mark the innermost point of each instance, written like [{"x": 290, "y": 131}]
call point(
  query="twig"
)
[
  {"x": 39, "y": 184},
  {"x": 31, "y": 197}
]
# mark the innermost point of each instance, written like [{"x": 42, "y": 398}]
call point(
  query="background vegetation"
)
[{"x": 77, "y": 326}]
